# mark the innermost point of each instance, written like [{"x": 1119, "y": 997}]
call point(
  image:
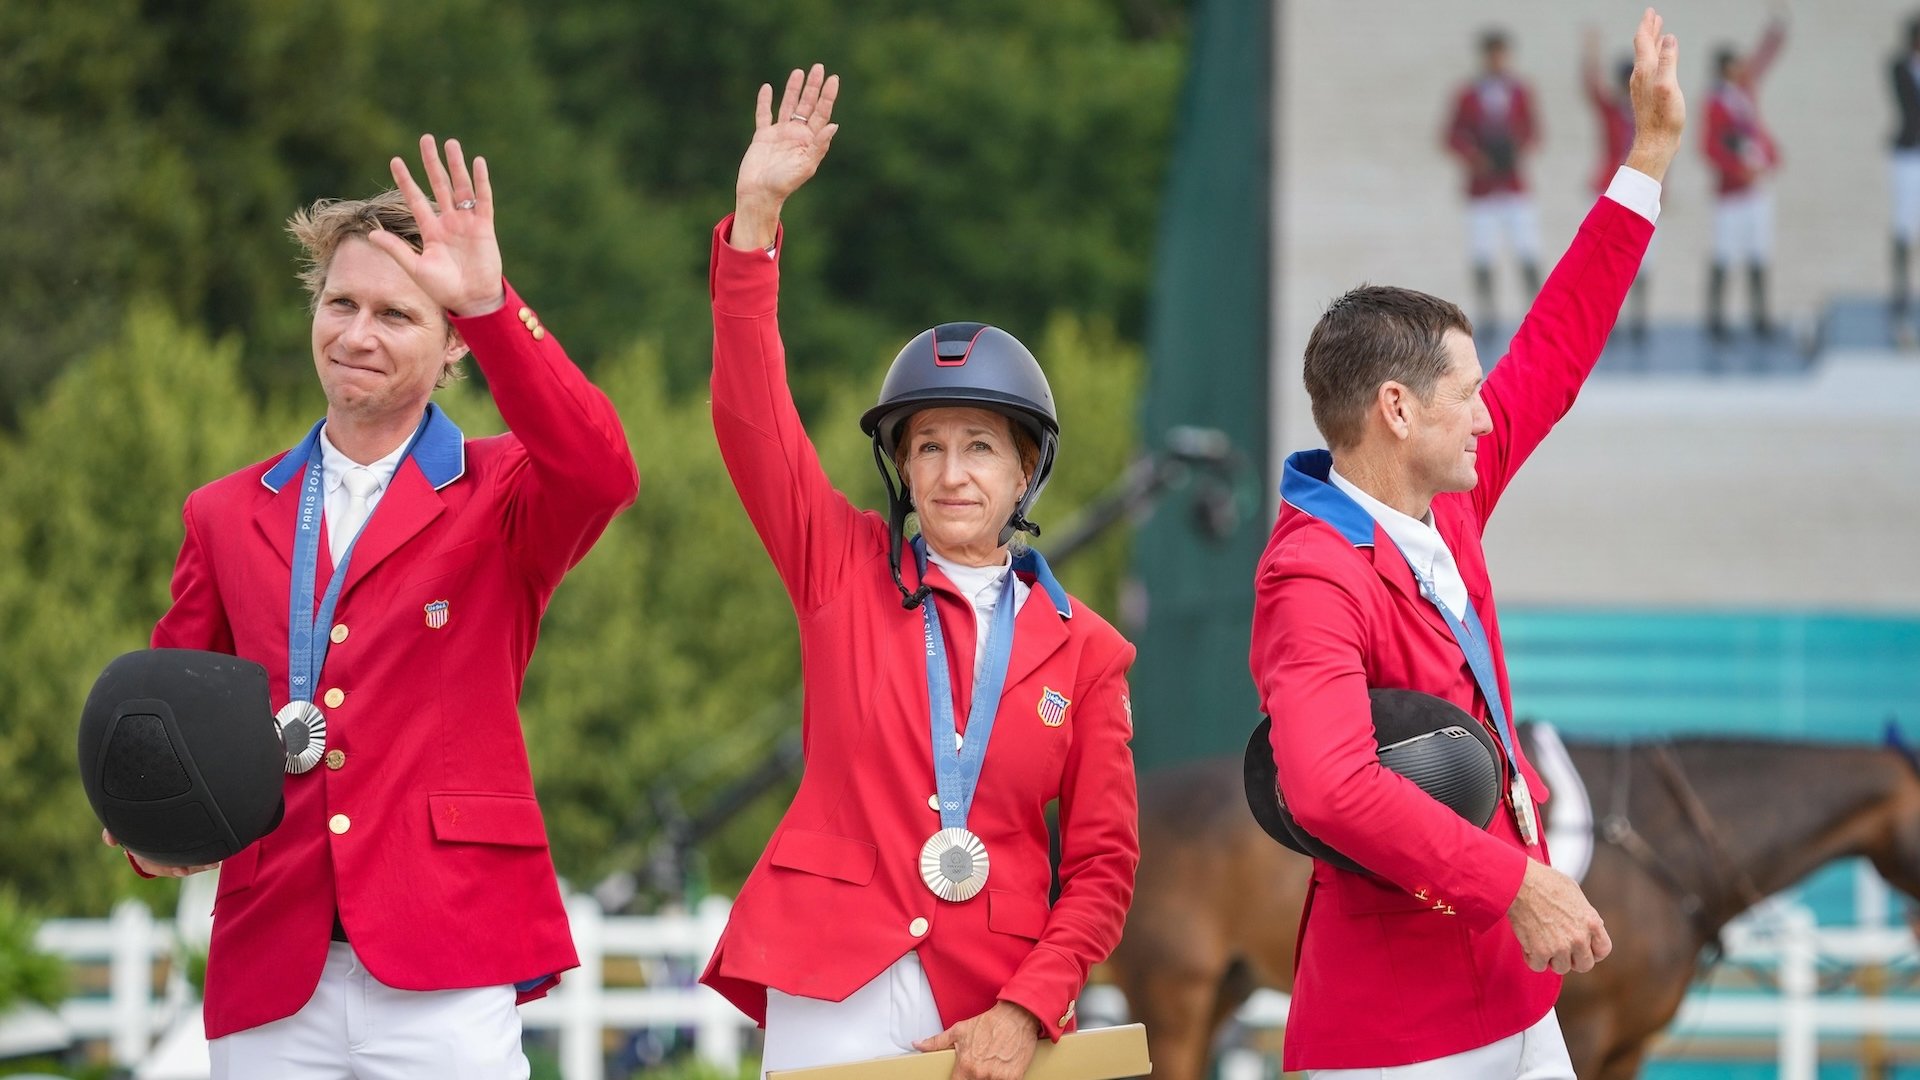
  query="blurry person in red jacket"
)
[
  {"x": 1445, "y": 959},
  {"x": 1492, "y": 127},
  {"x": 390, "y": 573},
  {"x": 953, "y": 688},
  {"x": 1609, "y": 93},
  {"x": 1743, "y": 155}
]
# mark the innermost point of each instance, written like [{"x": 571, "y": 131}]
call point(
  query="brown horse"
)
[{"x": 1694, "y": 832}]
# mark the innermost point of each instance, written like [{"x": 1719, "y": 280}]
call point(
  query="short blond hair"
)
[{"x": 320, "y": 229}]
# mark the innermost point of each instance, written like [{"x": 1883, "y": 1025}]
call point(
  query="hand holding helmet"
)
[{"x": 181, "y": 758}]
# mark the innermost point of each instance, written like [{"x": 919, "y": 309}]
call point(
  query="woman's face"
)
[{"x": 963, "y": 473}]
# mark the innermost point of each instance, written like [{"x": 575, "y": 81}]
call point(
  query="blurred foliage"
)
[
  {"x": 997, "y": 161},
  {"x": 27, "y": 975}
]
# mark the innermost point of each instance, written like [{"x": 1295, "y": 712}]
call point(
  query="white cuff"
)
[
  {"x": 773, "y": 249},
  {"x": 1637, "y": 192}
]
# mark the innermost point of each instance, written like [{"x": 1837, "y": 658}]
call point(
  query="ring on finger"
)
[
  {"x": 465, "y": 204},
  {"x": 797, "y": 116}
]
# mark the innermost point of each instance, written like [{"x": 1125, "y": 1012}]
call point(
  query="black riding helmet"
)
[
  {"x": 1429, "y": 740},
  {"x": 180, "y": 756},
  {"x": 960, "y": 365}
]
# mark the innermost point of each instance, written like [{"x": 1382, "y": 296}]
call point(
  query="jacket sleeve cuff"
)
[
  {"x": 135, "y": 865},
  {"x": 1507, "y": 867},
  {"x": 1036, "y": 987},
  {"x": 744, "y": 283},
  {"x": 501, "y": 320},
  {"x": 1637, "y": 192}
]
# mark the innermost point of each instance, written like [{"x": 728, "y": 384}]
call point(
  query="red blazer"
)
[
  {"x": 837, "y": 895},
  {"x": 1471, "y": 129},
  {"x": 1419, "y": 962},
  {"x": 426, "y": 834}
]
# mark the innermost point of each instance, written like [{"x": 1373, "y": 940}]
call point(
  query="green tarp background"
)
[{"x": 1207, "y": 343}]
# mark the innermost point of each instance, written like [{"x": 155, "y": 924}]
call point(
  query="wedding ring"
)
[{"x": 465, "y": 204}]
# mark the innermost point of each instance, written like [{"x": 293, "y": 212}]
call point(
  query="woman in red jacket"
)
[{"x": 954, "y": 689}]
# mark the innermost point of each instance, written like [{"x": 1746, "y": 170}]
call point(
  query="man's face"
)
[
  {"x": 1496, "y": 59},
  {"x": 1445, "y": 432},
  {"x": 379, "y": 343}
]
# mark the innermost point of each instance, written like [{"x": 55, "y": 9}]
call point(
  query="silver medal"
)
[
  {"x": 1522, "y": 801},
  {"x": 953, "y": 863},
  {"x": 303, "y": 734}
]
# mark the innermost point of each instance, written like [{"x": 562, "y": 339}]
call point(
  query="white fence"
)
[{"x": 157, "y": 1033}]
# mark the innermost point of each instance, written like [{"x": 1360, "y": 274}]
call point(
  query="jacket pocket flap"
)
[
  {"x": 825, "y": 854},
  {"x": 1014, "y": 913},
  {"x": 482, "y": 818}
]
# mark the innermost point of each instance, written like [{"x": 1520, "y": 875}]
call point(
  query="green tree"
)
[
  {"x": 90, "y": 496},
  {"x": 1000, "y": 161}
]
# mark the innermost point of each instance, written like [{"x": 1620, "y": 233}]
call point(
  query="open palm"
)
[
  {"x": 458, "y": 263},
  {"x": 788, "y": 145}
]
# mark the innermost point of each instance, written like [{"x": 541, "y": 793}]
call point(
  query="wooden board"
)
[{"x": 1096, "y": 1054}]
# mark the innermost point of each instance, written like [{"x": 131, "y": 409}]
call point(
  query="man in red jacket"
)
[
  {"x": 391, "y": 574},
  {"x": 1437, "y": 962},
  {"x": 1491, "y": 127},
  {"x": 1743, "y": 154}
]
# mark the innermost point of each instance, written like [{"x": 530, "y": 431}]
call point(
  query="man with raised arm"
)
[
  {"x": 1444, "y": 960},
  {"x": 390, "y": 574}
]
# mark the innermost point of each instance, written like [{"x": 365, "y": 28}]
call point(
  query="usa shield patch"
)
[
  {"x": 1053, "y": 707},
  {"x": 436, "y": 614}
]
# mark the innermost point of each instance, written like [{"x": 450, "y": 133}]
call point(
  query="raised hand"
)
[
  {"x": 458, "y": 265},
  {"x": 787, "y": 147},
  {"x": 1659, "y": 108}
]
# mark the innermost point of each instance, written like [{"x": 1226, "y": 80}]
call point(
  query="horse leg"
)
[
  {"x": 1587, "y": 1023},
  {"x": 1176, "y": 1006},
  {"x": 1624, "y": 1066}
]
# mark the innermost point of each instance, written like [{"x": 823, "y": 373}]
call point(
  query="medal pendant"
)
[
  {"x": 953, "y": 864},
  {"x": 1522, "y": 801},
  {"x": 303, "y": 734}
]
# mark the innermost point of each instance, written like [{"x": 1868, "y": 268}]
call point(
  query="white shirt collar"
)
[
  {"x": 1417, "y": 540},
  {"x": 335, "y": 464},
  {"x": 979, "y": 584}
]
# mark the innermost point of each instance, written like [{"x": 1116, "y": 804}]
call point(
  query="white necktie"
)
[{"x": 361, "y": 485}]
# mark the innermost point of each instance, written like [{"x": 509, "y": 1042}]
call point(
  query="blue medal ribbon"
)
[
  {"x": 957, "y": 769},
  {"x": 306, "y": 644},
  {"x": 1472, "y": 639}
]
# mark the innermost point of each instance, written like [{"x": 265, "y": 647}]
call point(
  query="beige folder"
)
[{"x": 1095, "y": 1054}]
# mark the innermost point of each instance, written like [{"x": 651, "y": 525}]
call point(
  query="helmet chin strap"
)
[
  {"x": 1018, "y": 522},
  {"x": 898, "y": 507}
]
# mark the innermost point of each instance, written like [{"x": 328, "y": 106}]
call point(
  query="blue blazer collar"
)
[
  {"x": 1029, "y": 562},
  {"x": 1306, "y": 485},
  {"x": 441, "y": 453}
]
